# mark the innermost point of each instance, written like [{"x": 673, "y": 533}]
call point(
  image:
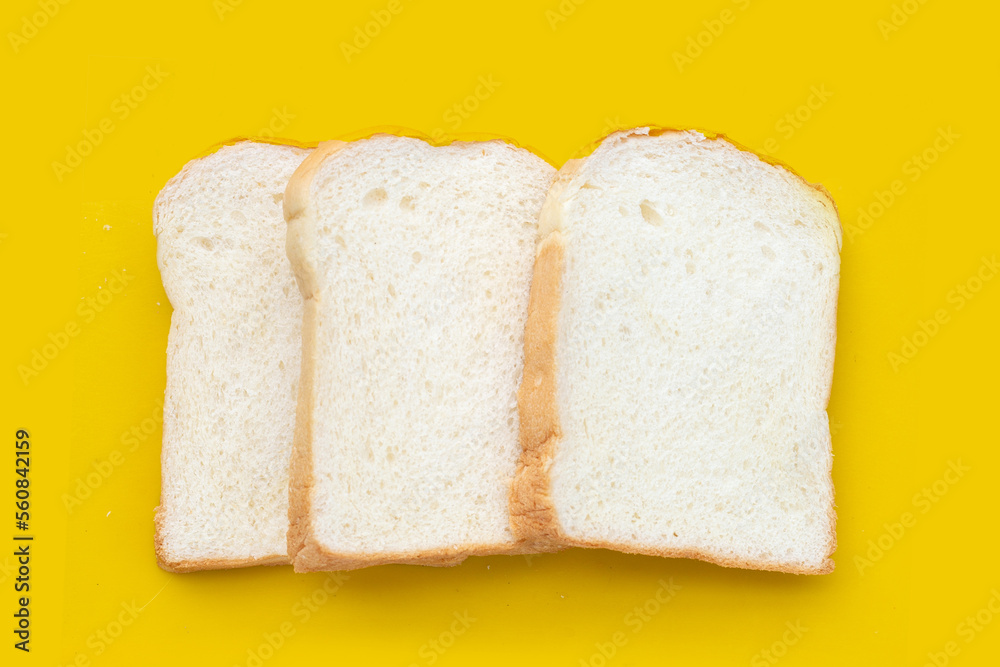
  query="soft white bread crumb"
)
[
  {"x": 694, "y": 350},
  {"x": 232, "y": 359},
  {"x": 417, "y": 263}
]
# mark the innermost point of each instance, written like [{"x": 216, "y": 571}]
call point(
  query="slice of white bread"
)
[
  {"x": 679, "y": 356},
  {"x": 232, "y": 359},
  {"x": 415, "y": 262}
]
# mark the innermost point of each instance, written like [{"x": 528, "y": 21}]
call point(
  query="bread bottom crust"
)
[
  {"x": 314, "y": 557},
  {"x": 696, "y": 554},
  {"x": 196, "y": 564}
]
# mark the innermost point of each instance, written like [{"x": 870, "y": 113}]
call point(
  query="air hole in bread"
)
[
  {"x": 650, "y": 214},
  {"x": 375, "y": 197},
  {"x": 406, "y": 203}
]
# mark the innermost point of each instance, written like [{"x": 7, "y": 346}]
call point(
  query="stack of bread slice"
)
[{"x": 388, "y": 351}]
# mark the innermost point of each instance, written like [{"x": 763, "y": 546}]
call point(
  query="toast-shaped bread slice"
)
[
  {"x": 232, "y": 359},
  {"x": 415, "y": 264},
  {"x": 679, "y": 357}
]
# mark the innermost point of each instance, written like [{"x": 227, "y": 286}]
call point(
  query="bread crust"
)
[
  {"x": 314, "y": 557},
  {"x": 534, "y": 519},
  {"x": 162, "y": 558},
  {"x": 300, "y": 246},
  {"x": 696, "y": 554},
  {"x": 654, "y": 130}
]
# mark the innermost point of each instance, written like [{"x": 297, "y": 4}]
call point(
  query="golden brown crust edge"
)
[
  {"x": 825, "y": 568},
  {"x": 533, "y": 517},
  {"x": 315, "y": 557},
  {"x": 832, "y": 510}
]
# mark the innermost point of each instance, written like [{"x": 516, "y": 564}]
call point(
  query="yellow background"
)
[{"x": 561, "y": 83}]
